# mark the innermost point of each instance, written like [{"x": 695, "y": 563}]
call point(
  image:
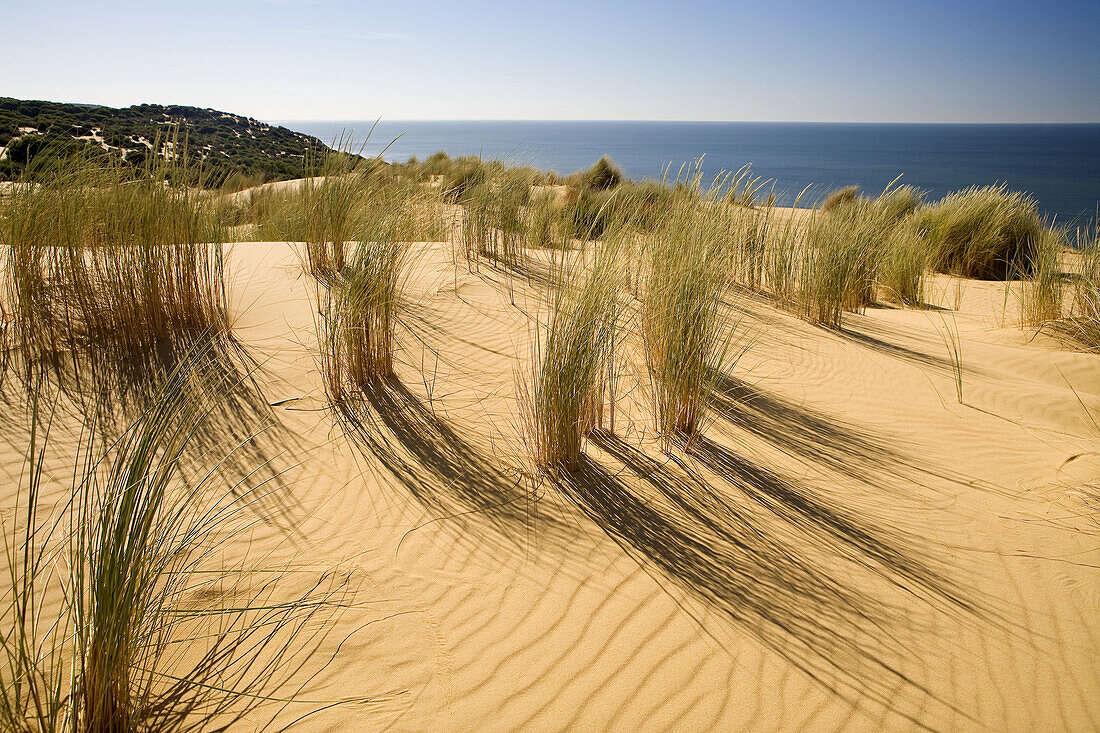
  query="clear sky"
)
[{"x": 844, "y": 60}]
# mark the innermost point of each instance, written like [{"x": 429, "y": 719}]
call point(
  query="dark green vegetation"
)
[{"x": 231, "y": 148}]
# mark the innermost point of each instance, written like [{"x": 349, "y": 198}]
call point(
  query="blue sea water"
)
[{"x": 1057, "y": 164}]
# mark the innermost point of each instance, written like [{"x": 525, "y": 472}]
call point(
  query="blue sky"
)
[{"x": 845, "y": 60}]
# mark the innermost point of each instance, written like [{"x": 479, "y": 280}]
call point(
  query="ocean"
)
[{"x": 1059, "y": 165}]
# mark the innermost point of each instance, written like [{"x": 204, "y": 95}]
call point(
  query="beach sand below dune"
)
[{"x": 847, "y": 547}]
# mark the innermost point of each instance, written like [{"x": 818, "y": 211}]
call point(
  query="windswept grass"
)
[
  {"x": 331, "y": 201},
  {"x": 494, "y": 222},
  {"x": 270, "y": 214},
  {"x": 360, "y": 307},
  {"x": 646, "y": 203},
  {"x": 1083, "y": 322},
  {"x": 541, "y": 221},
  {"x": 603, "y": 175},
  {"x": 462, "y": 176},
  {"x": 987, "y": 233},
  {"x": 112, "y": 593},
  {"x": 588, "y": 213},
  {"x": 953, "y": 343},
  {"x": 838, "y": 271},
  {"x": 297, "y": 214},
  {"x": 861, "y": 249},
  {"x": 784, "y": 242},
  {"x": 97, "y": 257},
  {"x": 685, "y": 331},
  {"x": 1042, "y": 295},
  {"x": 903, "y": 265},
  {"x": 562, "y": 396},
  {"x": 897, "y": 203},
  {"x": 840, "y": 198}
]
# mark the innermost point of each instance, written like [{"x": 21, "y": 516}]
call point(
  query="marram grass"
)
[
  {"x": 685, "y": 331},
  {"x": 100, "y": 258},
  {"x": 360, "y": 307},
  {"x": 562, "y": 395},
  {"x": 987, "y": 233},
  {"x": 111, "y": 596}
]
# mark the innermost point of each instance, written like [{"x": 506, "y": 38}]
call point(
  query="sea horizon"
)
[{"x": 1057, "y": 163}]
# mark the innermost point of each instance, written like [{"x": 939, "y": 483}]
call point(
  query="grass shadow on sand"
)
[
  {"x": 447, "y": 474},
  {"x": 874, "y": 337},
  {"x": 777, "y": 560},
  {"x": 216, "y": 375},
  {"x": 801, "y": 432},
  {"x": 812, "y": 602},
  {"x": 899, "y": 559}
]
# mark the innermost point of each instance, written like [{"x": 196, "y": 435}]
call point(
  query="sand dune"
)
[
  {"x": 846, "y": 520},
  {"x": 847, "y": 548}
]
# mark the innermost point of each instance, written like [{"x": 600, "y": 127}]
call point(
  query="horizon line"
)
[{"x": 380, "y": 120}]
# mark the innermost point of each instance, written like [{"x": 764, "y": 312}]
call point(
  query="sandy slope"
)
[{"x": 848, "y": 548}]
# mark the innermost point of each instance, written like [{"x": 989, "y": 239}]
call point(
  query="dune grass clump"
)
[
  {"x": 271, "y": 215},
  {"x": 838, "y": 272},
  {"x": 743, "y": 188},
  {"x": 840, "y": 198},
  {"x": 898, "y": 203},
  {"x": 750, "y": 234},
  {"x": 564, "y": 392},
  {"x": 462, "y": 176},
  {"x": 1042, "y": 294},
  {"x": 493, "y": 215},
  {"x": 860, "y": 249},
  {"x": 1083, "y": 320},
  {"x": 646, "y": 203},
  {"x": 435, "y": 164},
  {"x": 684, "y": 329},
  {"x": 477, "y": 223},
  {"x": 903, "y": 264},
  {"x": 987, "y": 233},
  {"x": 541, "y": 220},
  {"x": 330, "y": 202},
  {"x": 603, "y": 175},
  {"x": 99, "y": 254},
  {"x": 360, "y": 308},
  {"x": 327, "y": 210},
  {"x": 588, "y": 213},
  {"x": 112, "y": 593},
  {"x": 783, "y": 245}
]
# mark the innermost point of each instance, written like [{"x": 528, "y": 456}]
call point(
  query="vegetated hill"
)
[{"x": 227, "y": 144}]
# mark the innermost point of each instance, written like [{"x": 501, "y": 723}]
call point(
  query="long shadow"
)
[
  {"x": 449, "y": 476},
  {"x": 897, "y": 558},
  {"x": 236, "y": 428},
  {"x": 539, "y": 274},
  {"x": 782, "y": 564},
  {"x": 802, "y": 432},
  {"x": 897, "y": 351},
  {"x": 724, "y": 555}
]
